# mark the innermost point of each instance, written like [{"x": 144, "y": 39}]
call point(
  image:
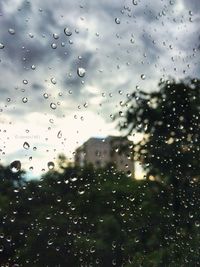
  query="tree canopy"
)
[{"x": 169, "y": 119}]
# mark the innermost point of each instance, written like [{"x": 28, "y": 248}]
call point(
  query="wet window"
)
[{"x": 99, "y": 133}]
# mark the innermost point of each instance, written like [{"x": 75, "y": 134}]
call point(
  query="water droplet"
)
[
  {"x": 15, "y": 166},
  {"x": 55, "y": 36},
  {"x": 26, "y": 145},
  {"x": 1, "y": 46},
  {"x": 137, "y": 240},
  {"x": 58, "y": 199},
  {"x": 129, "y": 173},
  {"x": 143, "y": 77},
  {"x": 92, "y": 249},
  {"x": 53, "y": 106},
  {"x": 31, "y": 35},
  {"x": 81, "y": 72},
  {"x": 117, "y": 20},
  {"x": 135, "y": 2},
  {"x": 85, "y": 105},
  {"x": 59, "y": 135},
  {"x": 25, "y": 82},
  {"x": 67, "y": 32},
  {"x": 66, "y": 181},
  {"x": 24, "y": 99},
  {"x": 33, "y": 67},
  {"x": 54, "y": 46},
  {"x": 50, "y": 242},
  {"x": 53, "y": 80},
  {"x": 81, "y": 191},
  {"x": 73, "y": 179},
  {"x": 45, "y": 95},
  {"x": 50, "y": 165},
  {"x": 11, "y": 31}
]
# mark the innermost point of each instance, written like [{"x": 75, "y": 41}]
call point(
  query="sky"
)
[{"x": 67, "y": 66}]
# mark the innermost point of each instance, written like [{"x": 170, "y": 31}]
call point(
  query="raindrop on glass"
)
[
  {"x": 59, "y": 135},
  {"x": 24, "y": 99},
  {"x": 25, "y": 82},
  {"x": 117, "y": 20},
  {"x": 55, "y": 36},
  {"x": 53, "y": 105},
  {"x": 53, "y": 80},
  {"x": 1, "y": 46},
  {"x": 50, "y": 165},
  {"x": 45, "y": 95},
  {"x": 11, "y": 31},
  {"x": 15, "y": 166},
  {"x": 54, "y": 46},
  {"x": 67, "y": 32},
  {"x": 81, "y": 72},
  {"x": 26, "y": 145}
]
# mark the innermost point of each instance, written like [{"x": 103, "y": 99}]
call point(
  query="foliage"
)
[
  {"x": 87, "y": 217},
  {"x": 170, "y": 123}
]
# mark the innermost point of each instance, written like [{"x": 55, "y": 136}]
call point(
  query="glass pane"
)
[{"x": 100, "y": 133}]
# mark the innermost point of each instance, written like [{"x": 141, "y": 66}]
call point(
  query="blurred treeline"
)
[{"x": 77, "y": 216}]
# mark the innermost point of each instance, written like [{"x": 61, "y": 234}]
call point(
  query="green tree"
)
[{"x": 169, "y": 120}]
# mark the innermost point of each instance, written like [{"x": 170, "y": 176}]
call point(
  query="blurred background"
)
[{"x": 100, "y": 133}]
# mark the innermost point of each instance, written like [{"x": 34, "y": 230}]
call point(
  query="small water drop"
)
[
  {"x": 45, "y": 95},
  {"x": 129, "y": 173},
  {"x": 143, "y": 77},
  {"x": 73, "y": 179},
  {"x": 15, "y": 166},
  {"x": 31, "y": 35},
  {"x": 67, "y": 32},
  {"x": 81, "y": 72},
  {"x": 117, "y": 21},
  {"x": 85, "y": 105},
  {"x": 53, "y": 80},
  {"x": 1, "y": 46},
  {"x": 26, "y": 145},
  {"x": 81, "y": 191},
  {"x": 54, "y": 46},
  {"x": 55, "y": 36},
  {"x": 53, "y": 106},
  {"x": 50, "y": 242},
  {"x": 24, "y": 99},
  {"x": 50, "y": 165},
  {"x": 25, "y": 82},
  {"x": 59, "y": 135},
  {"x": 11, "y": 31}
]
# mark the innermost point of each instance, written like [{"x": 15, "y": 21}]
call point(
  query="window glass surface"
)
[{"x": 99, "y": 133}]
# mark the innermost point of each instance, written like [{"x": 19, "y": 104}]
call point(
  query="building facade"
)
[{"x": 102, "y": 152}]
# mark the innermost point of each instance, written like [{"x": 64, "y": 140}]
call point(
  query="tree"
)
[{"x": 169, "y": 120}]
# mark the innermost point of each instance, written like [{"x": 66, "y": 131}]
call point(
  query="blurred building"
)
[{"x": 103, "y": 152}]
